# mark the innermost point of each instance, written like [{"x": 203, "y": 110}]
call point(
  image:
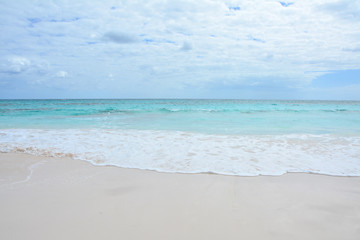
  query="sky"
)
[{"x": 245, "y": 49}]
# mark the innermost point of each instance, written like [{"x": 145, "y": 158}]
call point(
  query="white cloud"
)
[
  {"x": 230, "y": 41},
  {"x": 345, "y": 9},
  {"x": 16, "y": 64},
  {"x": 61, "y": 74}
]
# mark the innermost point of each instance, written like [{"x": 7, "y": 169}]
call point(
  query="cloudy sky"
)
[{"x": 258, "y": 49}]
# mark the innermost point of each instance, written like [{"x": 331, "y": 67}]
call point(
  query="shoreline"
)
[
  {"x": 70, "y": 156},
  {"x": 63, "y": 198},
  {"x": 175, "y": 152},
  {"x": 29, "y": 155}
]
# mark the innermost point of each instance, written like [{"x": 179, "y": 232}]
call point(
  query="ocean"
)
[{"x": 232, "y": 137}]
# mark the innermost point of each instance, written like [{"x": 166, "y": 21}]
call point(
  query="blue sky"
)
[{"x": 180, "y": 49}]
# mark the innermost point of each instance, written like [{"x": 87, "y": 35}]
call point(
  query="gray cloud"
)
[
  {"x": 357, "y": 49},
  {"x": 119, "y": 37},
  {"x": 186, "y": 46}
]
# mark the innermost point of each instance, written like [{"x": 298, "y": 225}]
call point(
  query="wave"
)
[
  {"x": 166, "y": 110},
  {"x": 210, "y": 111},
  {"x": 176, "y": 151}
]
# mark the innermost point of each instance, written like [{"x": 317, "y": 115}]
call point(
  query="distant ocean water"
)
[{"x": 234, "y": 137}]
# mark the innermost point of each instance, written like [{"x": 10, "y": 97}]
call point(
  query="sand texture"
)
[{"x": 60, "y": 198}]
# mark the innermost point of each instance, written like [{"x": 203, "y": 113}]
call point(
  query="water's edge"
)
[
  {"x": 159, "y": 172},
  {"x": 184, "y": 152}
]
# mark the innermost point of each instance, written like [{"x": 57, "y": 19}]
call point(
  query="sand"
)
[{"x": 61, "y": 198}]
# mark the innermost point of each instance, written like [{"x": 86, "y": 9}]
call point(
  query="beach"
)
[
  {"x": 62, "y": 198},
  {"x": 180, "y": 120}
]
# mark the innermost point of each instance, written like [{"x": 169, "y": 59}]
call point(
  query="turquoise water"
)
[
  {"x": 235, "y": 137},
  {"x": 201, "y": 116}
]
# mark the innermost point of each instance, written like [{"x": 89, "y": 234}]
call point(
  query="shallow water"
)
[
  {"x": 237, "y": 137},
  {"x": 205, "y": 116}
]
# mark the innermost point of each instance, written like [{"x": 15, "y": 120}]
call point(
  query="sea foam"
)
[{"x": 187, "y": 152}]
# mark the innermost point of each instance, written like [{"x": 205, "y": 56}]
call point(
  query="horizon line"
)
[{"x": 241, "y": 99}]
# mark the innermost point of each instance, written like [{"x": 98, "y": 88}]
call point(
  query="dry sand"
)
[{"x": 60, "y": 198}]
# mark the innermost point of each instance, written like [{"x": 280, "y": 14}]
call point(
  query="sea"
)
[{"x": 231, "y": 137}]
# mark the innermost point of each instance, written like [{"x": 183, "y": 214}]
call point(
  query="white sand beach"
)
[{"x": 61, "y": 198}]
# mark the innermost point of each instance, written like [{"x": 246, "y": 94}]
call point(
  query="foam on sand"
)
[{"x": 185, "y": 152}]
